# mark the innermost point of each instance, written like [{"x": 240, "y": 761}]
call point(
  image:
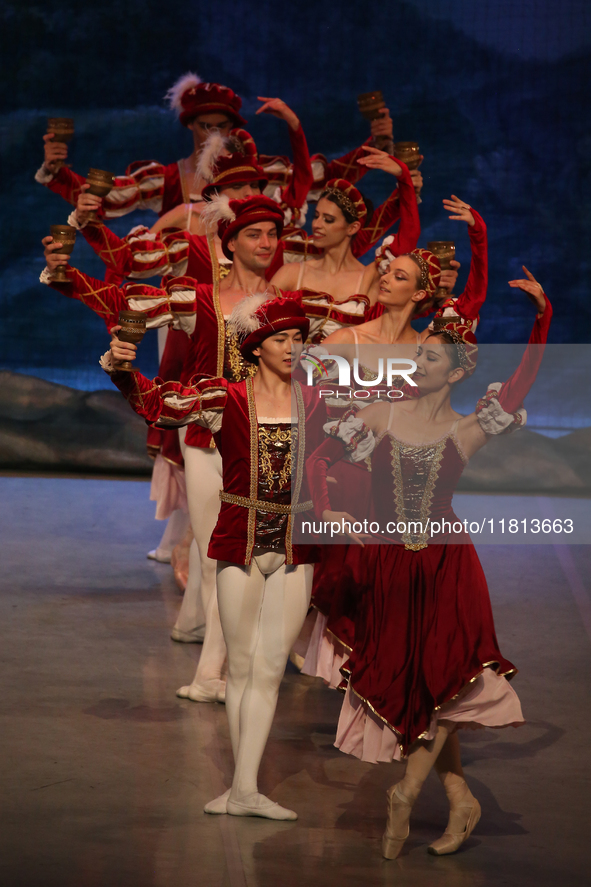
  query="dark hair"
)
[{"x": 453, "y": 352}]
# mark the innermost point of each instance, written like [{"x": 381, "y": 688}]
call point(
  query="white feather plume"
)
[
  {"x": 214, "y": 146},
  {"x": 175, "y": 93},
  {"x": 215, "y": 210},
  {"x": 243, "y": 319}
]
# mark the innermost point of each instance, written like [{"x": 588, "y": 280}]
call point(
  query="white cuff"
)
[
  {"x": 73, "y": 221},
  {"x": 43, "y": 176},
  {"x": 493, "y": 419},
  {"x": 358, "y": 439},
  {"x": 46, "y": 276},
  {"x": 106, "y": 363}
]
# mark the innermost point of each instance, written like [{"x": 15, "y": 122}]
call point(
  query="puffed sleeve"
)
[
  {"x": 357, "y": 439},
  {"x": 140, "y": 254},
  {"x": 142, "y": 187},
  {"x": 173, "y": 304},
  {"x": 348, "y": 437},
  {"x": 171, "y": 404}
]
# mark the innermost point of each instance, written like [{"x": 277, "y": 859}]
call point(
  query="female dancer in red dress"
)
[
  {"x": 425, "y": 657},
  {"x": 338, "y": 288},
  {"x": 332, "y": 634},
  {"x": 263, "y": 579}
]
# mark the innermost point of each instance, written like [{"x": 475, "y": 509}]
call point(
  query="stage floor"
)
[{"x": 105, "y": 772}]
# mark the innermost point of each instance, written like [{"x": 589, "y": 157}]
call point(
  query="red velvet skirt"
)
[{"x": 423, "y": 629}]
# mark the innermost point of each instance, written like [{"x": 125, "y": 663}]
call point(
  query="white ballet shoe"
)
[
  {"x": 160, "y": 555},
  {"x": 258, "y": 805},
  {"x": 207, "y": 691},
  {"x": 462, "y": 821},
  {"x": 195, "y": 636},
  {"x": 218, "y": 805}
]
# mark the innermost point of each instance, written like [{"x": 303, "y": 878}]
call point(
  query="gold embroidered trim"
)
[
  {"x": 299, "y": 467},
  {"x": 261, "y": 505},
  {"x": 424, "y": 517},
  {"x": 238, "y": 367},
  {"x": 425, "y": 733},
  {"x": 221, "y": 323},
  {"x": 231, "y": 172},
  {"x": 339, "y": 641},
  {"x": 254, "y": 467},
  {"x": 273, "y": 437}
]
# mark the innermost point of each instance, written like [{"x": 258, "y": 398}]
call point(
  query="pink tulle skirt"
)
[
  {"x": 325, "y": 654},
  {"x": 488, "y": 701},
  {"x": 168, "y": 488}
]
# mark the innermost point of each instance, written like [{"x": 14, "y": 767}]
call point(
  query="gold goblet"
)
[
  {"x": 63, "y": 130},
  {"x": 371, "y": 105},
  {"x": 101, "y": 182},
  {"x": 133, "y": 329},
  {"x": 445, "y": 250},
  {"x": 66, "y": 235},
  {"x": 409, "y": 153}
]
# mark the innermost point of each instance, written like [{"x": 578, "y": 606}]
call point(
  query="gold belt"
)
[{"x": 272, "y": 507}]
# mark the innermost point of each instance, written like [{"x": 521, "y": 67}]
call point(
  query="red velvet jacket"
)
[{"x": 172, "y": 403}]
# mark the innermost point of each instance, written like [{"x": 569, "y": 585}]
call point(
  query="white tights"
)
[
  {"x": 203, "y": 470},
  {"x": 262, "y": 608}
]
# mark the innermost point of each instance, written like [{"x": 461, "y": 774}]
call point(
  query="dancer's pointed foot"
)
[
  {"x": 462, "y": 820},
  {"x": 256, "y": 804},
  {"x": 218, "y": 805},
  {"x": 397, "y": 827},
  {"x": 195, "y": 636},
  {"x": 206, "y": 691}
]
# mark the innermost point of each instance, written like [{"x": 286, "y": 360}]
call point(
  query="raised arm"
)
[
  {"x": 295, "y": 192},
  {"x": 142, "y": 186},
  {"x": 513, "y": 391},
  {"x": 469, "y": 303},
  {"x": 166, "y": 404},
  {"x": 141, "y": 254},
  {"x": 175, "y": 303},
  {"x": 501, "y": 408},
  {"x": 402, "y": 204}
]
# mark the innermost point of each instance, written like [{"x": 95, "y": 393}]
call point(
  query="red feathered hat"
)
[
  {"x": 257, "y": 318},
  {"x": 233, "y": 215},
  {"x": 231, "y": 170},
  {"x": 347, "y": 197},
  {"x": 190, "y": 97}
]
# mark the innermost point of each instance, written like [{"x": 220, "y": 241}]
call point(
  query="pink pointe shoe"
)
[
  {"x": 462, "y": 821},
  {"x": 397, "y": 827}
]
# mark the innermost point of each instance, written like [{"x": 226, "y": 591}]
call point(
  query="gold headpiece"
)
[{"x": 342, "y": 201}]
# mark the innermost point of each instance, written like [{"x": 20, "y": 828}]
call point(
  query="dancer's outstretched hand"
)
[
  {"x": 532, "y": 289},
  {"x": 376, "y": 159},
  {"x": 460, "y": 209},
  {"x": 278, "y": 108},
  {"x": 86, "y": 204},
  {"x": 340, "y": 523},
  {"x": 121, "y": 351},
  {"x": 52, "y": 254},
  {"x": 54, "y": 152}
]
